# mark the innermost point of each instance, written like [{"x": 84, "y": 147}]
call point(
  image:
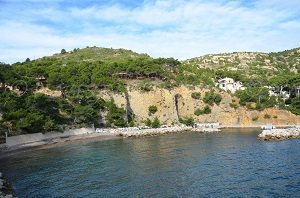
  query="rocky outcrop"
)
[
  {"x": 178, "y": 102},
  {"x": 5, "y": 188},
  {"x": 279, "y": 134}
]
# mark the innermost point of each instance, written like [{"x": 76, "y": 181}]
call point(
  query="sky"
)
[{"x": 161, "y": 28}]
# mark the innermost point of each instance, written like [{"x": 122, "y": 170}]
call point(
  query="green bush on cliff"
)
[
  {"x": 187, "y": 121},
  {"x": 233, "y": 105},
  {"x": 152, "y": 109},
  {"x": 196, "y": 95},
  {"x": 255, "y": 118},
  {"x": 211, "y": 97},
  {"x": 267, "y": 116},
  {"x": 205, "y": 110},
  {"x": 153, "y": 124},
  {"x": 115, "y": 115}
]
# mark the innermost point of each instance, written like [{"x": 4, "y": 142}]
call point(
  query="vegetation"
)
[
  {"x": 255, "y": 118},
  {"x": 211, "y": 97},
  {"x": 79, "y": 73},
  {"x": 257, "y": 95},
  {"x": 233, "y": 105},
  {"x": 206, "y": 110},
  {"x": 187, "y": 121},
  {"x": 152, "y": 109},
  {"x": 196, "y": 95},
  {"x": 153, "y": 124},
  {"x": 267, "y": 116}
]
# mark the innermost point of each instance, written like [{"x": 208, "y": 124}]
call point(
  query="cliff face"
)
[{"x": 176, "y": 103}]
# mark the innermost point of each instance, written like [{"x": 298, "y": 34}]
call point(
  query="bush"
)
[
  {"x": 233, "y": 105},
  {"x": 206, "y": 110},
  {"x": 152, "y": 109},
  {"x": 196, "y": 95},
  {"x": 154, "y": 124},
  {"x": 148, "y": 122},
  {"x": 187, "y": 121},
  {"x": 267, "y": 116},
  {"x": 211, "y": 98},
  {"x": 255, "y": 118}
]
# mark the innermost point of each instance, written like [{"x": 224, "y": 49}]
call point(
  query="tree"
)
[
  {"x": 27, "y": 60},
  {"x": 63, "y": 51}
]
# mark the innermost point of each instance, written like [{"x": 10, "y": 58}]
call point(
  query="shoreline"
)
[
  {"x": 111, "y": 133},
  {"x": 55, "y": 142}
]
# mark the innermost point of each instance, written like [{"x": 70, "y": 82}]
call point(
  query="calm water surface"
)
[{"x": 229, "y": 164}]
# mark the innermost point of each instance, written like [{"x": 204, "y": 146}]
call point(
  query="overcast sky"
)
[{"x": 169, "y": 28}]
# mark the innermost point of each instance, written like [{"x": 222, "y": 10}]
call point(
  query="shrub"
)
[
  {"x": 267, "y": 116},
  {"x": 187, "y": 121},
  {"x": 275, "y": 117},
  {"x": 154, "y": 124},
  {"x": 211, "y": 98},
  {"x": 206, "y": 110},
  {"x": 255, "y": 118},
  {"x": 152, "y": 109},
  {"x": 251, "y": 106},
  {"x": 148, "y": 122},
  {"x": 233, "y": 105},
  {"x": 196, "y": 95},
  {"x": 198, "y": 112}
]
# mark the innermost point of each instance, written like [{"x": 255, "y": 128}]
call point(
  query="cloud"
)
[{"x": 178, "y": 28}]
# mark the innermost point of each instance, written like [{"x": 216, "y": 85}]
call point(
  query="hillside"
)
[
  {"x": 253, "y": 64},
  {"x": 117, "y": 88},
  {"x": 94, "y": 54}
]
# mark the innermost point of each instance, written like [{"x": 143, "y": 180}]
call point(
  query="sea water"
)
[{"x": 232, "y": 163}]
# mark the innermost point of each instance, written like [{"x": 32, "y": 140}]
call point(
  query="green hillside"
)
[{"x": 81, "y": 73}]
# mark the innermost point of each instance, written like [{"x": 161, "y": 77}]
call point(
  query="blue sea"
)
[{"x": 232, "y": 163}]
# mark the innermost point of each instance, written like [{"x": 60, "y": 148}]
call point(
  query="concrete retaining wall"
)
[{"x": 36, "y": 137}]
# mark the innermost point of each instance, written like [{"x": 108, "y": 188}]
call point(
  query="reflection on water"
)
[{"x": 231, "y": 163}]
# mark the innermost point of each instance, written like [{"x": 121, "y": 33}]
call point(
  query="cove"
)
[{"x": 232, "y": 163}]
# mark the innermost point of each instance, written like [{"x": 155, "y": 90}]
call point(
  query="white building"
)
[
  {"x": 228, "y": 84},
  {"x": 284, "y": 95}
]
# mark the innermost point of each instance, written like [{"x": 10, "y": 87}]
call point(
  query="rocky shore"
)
[
  {"x": 279, "y": 134},
  {"x": 135, "y": 132},
  {"x": 5, "y": 188}
]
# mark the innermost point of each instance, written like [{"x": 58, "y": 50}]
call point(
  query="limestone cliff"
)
[{"x": 175, "y": 103}]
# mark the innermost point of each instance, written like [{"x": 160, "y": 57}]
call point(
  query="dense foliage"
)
[
  {"x": 205, "y": 110},
  {"x": 211, "y": 97}
]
